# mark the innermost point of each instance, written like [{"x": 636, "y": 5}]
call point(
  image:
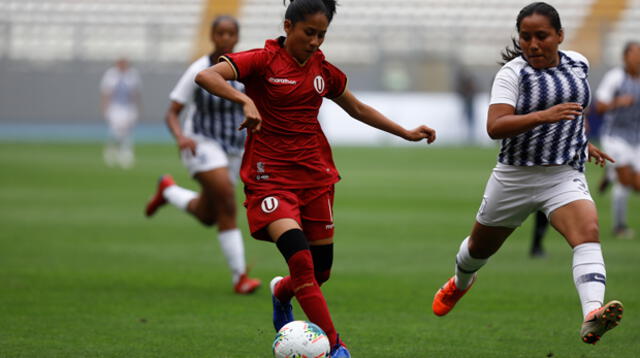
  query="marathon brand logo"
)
[{"x": 281, "y": 81}]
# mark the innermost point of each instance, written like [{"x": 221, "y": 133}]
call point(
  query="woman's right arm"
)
[
  {"x": 172, "y": 118},
  {"x": 214, "y": 80},
  {"x": 502, "y": 122}
]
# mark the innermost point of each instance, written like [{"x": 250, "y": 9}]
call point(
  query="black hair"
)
[
  {"x": 628, "y": 46},
  {"x": 298, "y": 10},
  {"x": 222, "y": 18},
  {"x": 540, "y": 8}
]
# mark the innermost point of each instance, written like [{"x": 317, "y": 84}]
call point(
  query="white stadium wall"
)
[{"x": 441, "y": 111}]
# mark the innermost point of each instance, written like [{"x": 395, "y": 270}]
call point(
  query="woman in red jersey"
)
[{"x": 287, "y": 167}]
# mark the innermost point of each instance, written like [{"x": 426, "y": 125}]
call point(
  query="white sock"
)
[
  {"x": 610, "y": 172},
  {"x": 179, "y": 197},
  {"x": 233, "y": 249},
  {"x": 619, "y": 205},
  {"x": 466, "y": 266},
  {"x": 589, "y": 275}
]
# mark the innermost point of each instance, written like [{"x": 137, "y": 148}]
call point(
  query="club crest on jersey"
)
[
  {"x": 269, "y": 204},
  {"x": 579, "y": 71},
  {"x": 318, "y": 84}
]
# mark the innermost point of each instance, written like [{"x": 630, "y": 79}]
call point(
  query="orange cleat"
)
[
  {"x": 246, "y": 285},
  {"x": 158, "y": 199},
  {"x": 600, "y": 321},
  {"x": 447, "y": 297}
]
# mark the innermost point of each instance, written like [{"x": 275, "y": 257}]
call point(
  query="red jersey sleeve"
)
[
  {"x": 336, "y": 81},
  {"x": 246, "y": 63}
]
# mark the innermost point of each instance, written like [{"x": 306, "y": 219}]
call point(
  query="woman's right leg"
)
[
  {"x": 293, "y": 245},
  {"x": 474, "y": 252}
]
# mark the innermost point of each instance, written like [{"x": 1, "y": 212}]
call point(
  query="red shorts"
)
[{"x": 312, "y": 208}]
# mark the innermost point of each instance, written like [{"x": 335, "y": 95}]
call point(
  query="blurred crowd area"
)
[{"x": 53, "y": 52}]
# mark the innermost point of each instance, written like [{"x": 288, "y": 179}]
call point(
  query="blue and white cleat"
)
[
  {"x": 339, "y": 350},
  {"x": 282, "y": 312}
]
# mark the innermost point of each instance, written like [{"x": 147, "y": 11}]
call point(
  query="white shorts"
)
[
  {"x": 209, "y": 156},
  {"x": 622, "y": 152},
  {"x": 121, "y": 119},
  {"x": 514, "y": 192}
]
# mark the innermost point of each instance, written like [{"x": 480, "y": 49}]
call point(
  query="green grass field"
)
[{"x": 84, "y": 274}]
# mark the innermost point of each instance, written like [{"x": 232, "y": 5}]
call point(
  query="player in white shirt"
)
[
  {"x": 536, "y": 108},
  {"x": 211, "y": 148},
  {"x": 618, "y": 98},
  {"x": 120, "y": 99}
]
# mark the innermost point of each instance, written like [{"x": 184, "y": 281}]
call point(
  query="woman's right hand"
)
[
  {"x": 252, "y": 120},
  {"x": 186, "y": 143},
  {"x": 561, "y": 112}
]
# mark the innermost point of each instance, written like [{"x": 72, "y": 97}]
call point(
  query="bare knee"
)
[{"x": 589, "y": 232}]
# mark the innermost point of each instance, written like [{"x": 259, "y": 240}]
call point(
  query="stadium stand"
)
[
  {"x": 366, "y": 30},
  {"x": 627, "y": 28},
  {"x": 144, "y": 30}
]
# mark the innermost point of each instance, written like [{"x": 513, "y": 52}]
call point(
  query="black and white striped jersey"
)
[
  {"x": 621, "y": 122},
  {"x": 529, "y": 90},
  {"x": 208, "y": 115}
]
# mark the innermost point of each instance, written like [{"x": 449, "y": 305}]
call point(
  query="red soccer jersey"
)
[{"x": 290, "y": 151}]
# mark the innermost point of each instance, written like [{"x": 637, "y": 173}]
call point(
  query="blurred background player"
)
[
  {"x": 120, "y": 99},
  {"x": 618, "y": 97},
  {"x": 536, "y": 108},
  {"x": 540, "y": 226},
  {"x": 466, "y": 89},
  {"x": 211, "y": 149},
  {"x": 288, "y": 169}
]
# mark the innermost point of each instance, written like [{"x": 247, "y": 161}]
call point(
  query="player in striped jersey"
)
[
  {"x": 120, "y": 99},
  {"x": 618, "y": 97},
  {"x": 211, "y": 149},
  {"x": 536, "y": 108}
]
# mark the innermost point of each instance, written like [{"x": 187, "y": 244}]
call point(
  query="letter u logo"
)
[
  {"x": 318, "y": 84},
  {"x": 269, "y": 204}
]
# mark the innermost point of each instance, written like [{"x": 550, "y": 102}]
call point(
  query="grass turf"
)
[{"x": 84, "y": 274}]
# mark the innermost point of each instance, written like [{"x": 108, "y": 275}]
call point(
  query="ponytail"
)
[
  {"x": 298, "y": 10},
  {"x": 509, "y": 53}
]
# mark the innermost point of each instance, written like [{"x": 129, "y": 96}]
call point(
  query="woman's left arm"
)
[
  {"x": 594, "y": 152},
  {"x": 369, "y": 115}
]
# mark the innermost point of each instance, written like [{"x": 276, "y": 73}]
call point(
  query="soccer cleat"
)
[
  {"x": 600, "y": 321},
  {"x": 447, "y": 297},
  {"x": 158, "y": 199},
  {"x": 282, "y": 312},
  {"x": 623, "y": 232},
  {"x": 339, "y": 350},
  {"x": 246, "y": 285}
]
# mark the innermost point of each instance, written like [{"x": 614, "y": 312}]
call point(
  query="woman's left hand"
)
[
  {"x": 420, "y": 133},
  {"x": 599, "y": 156}
]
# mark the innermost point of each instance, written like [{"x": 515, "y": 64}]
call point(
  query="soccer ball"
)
[{"x": 301, "y": 339}]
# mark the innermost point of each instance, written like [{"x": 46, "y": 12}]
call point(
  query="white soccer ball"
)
[{"x": 301, "y": 339}]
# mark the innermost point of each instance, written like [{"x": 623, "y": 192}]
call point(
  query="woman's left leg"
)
[{"x": 578, "y": 223}]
